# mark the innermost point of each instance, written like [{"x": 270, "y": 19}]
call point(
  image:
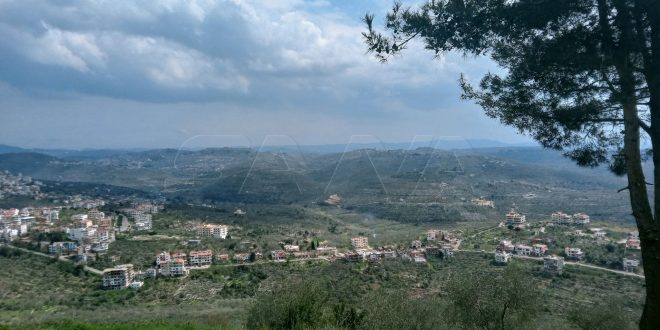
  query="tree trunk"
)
[
  {"x": 639, "y": 199},
  {"x": 649, "y": 234},
  {"x": 651, "y": 256}
]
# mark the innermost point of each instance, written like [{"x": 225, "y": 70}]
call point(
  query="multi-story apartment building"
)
[
  {"x": 175, "y": 267},
  {"x": 216, "y": 231},
  {"x": 516, "y": 219},
  {"x": 200, "y": 258},
  {"x": 359, "y": 242},
  {"x": 163, "y": 258},
  {"x": 560, "y": 218},
  {"x": 119, "y": 277},
  {"x": 523, "y": 250},
  {"x": 580, "y": 218}
]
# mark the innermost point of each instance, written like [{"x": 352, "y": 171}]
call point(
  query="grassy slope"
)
[{"x": 36, "y": 292}]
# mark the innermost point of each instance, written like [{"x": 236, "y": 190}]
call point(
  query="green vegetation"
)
[
  {"x": 346, "y": 295},
  {"x": 581, "y": 77}
]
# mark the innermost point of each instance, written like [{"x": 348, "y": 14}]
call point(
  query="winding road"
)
[{"x": 61, "y": 258}]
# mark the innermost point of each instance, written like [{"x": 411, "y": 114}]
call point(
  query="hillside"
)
[{"x": 422, "y": 185}]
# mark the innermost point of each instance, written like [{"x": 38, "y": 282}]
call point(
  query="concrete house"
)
[
  {"x": 200, "y": 258},
  {"x": 502, "y": 257},
  {"x": 360, "y": 242},
  {"x": 553, "y": 264},
  {"x": 119, "y": 277},
  {"x": 573, "y": 253}
]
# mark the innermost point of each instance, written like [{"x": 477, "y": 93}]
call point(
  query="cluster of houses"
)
[
  {"x": 519, "y": 221},
  {"x": 91, "y": 231},
  {"x": 437, "y": 243},
  {"x": 561, "y": 218},
  {"x": 82, "y": 202},
  {"x": 175, "y": 264},
  {"x": 291, "y": 251},
  {"x": 179, "y": 264},
  {"x": 142, "y": 214},
  {"x": 506, "y": 249},
  {"x": 15, "y": 223},
  {"x": 19, "y": 185}
]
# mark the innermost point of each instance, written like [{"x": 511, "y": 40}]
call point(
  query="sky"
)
[{"x": 171, "y": 73}]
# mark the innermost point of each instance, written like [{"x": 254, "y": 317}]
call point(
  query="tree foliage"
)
[
  {"x": 582, "y": 76},
  {"x": 299, "y": 306},
  {"x": 561, "y": 84},
  {"x": 505, "y": 301}
]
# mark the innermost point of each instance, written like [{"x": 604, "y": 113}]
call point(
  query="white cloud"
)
[
  {"x": 75, "y": 50},
  {"x": 172, "y": 65}
]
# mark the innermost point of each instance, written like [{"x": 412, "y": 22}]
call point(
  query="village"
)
[
  {"x": 87, "y": 233},
  {"x": 19, "y": 185}
]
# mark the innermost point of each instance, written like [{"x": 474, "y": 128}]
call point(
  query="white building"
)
[
  {"x": 291, "y": 248},
  {"x": 573, "y": 253},
  {"x": 326, "y": 251},
  {"x": 598, "y": 232},
  {"x": 502, "y": 257},
  {"x": 215, "y": 231},
  {"x": 81, "y": 234}
]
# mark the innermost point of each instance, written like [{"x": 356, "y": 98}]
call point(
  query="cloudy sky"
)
[{"x": 162, "y": 73}]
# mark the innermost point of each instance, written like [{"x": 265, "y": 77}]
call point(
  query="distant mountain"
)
[
  {"x": 26, "y": 163},
  {"x": 5, "y": 149},
  {"x": 441, "y": 143},
  {"x": 419, "y": 185},
  {"x": 69, "y": 153}
]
